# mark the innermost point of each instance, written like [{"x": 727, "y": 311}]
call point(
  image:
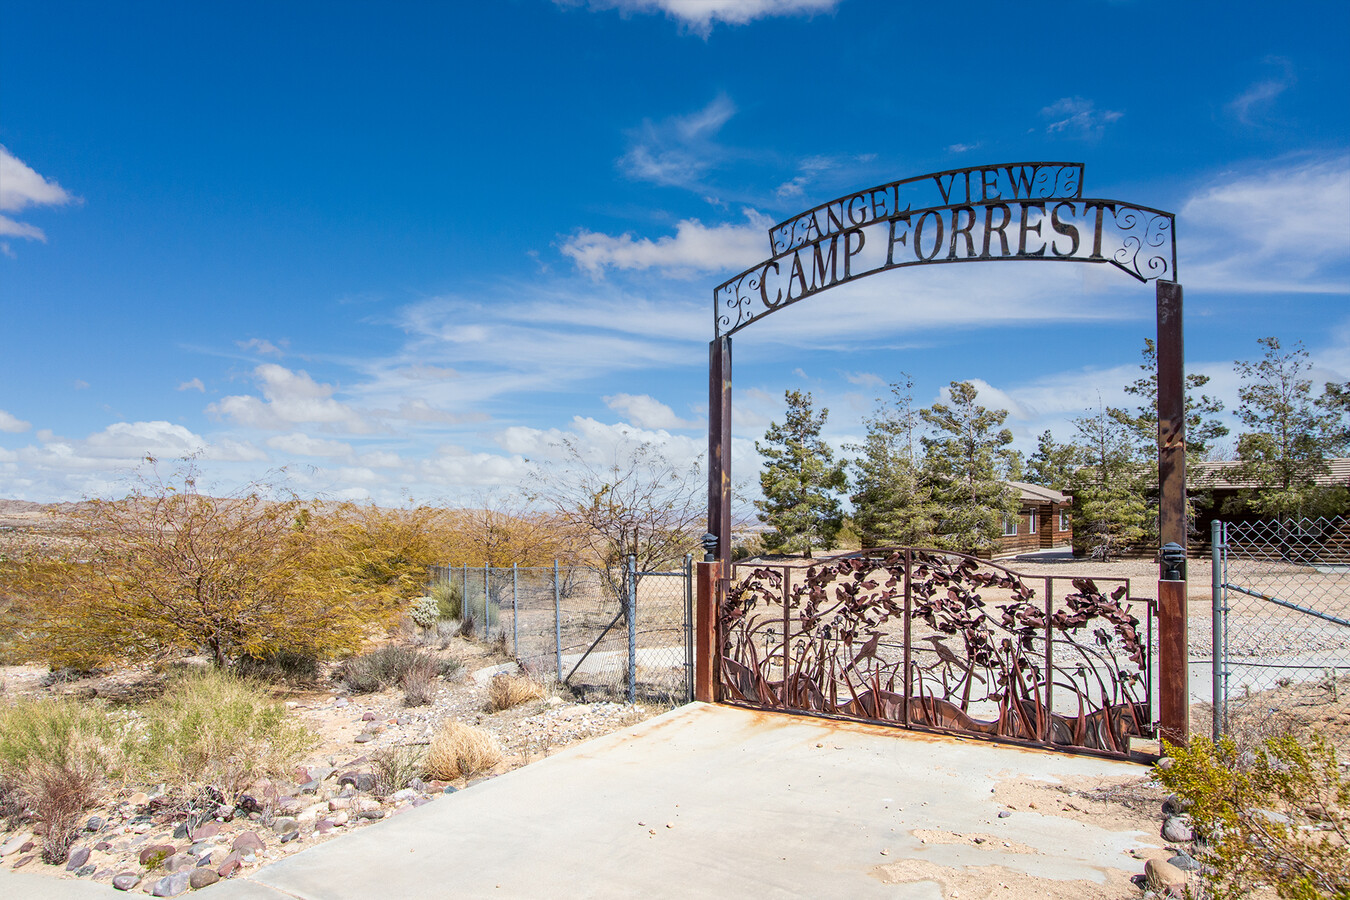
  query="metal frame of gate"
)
[{"x": 944, "y": 642}]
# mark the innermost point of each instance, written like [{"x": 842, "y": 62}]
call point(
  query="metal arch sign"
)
[{"x": 1032, "y": 210}]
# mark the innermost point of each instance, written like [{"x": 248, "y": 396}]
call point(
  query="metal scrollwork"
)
[
  {"x": 1146, "y": 250},
  {"x": 942, "y": 641}
]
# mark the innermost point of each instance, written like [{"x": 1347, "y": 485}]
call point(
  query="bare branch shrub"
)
[
  {"x": 59, "y": 795},
  {"x": 396, "y": 767}
]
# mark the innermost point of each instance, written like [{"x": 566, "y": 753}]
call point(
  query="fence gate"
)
[
  {"x": 1281, "y": 614},
  {"x": 941, "y": 641}
]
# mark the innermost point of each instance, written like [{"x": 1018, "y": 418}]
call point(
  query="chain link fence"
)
[
  {"x": 622, "y": 635},
  {"x": 1281, "y": 607}
]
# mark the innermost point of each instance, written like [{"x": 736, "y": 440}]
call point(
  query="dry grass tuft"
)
[
  {"x": 60, "y": 795},
  {"x": 459, "y": 751},
  {"x": 506, "y": 690}
]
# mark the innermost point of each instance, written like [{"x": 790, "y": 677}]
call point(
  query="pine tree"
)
[
  {"x": 1109, "y": 506},
  {"x": 891, "y": 505},
  {"x": 1290, "y": 435},
  {"x": 800, "y": 481},
  {"x": 965, "y": 461},
  {"x": 1053, "y": 464},
  {"x": 1203, "y": 430}
]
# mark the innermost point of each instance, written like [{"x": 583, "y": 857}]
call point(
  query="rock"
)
[
  {"x": 163, "y": 851},
  {"x": 1174, "y": 805},
  {"x": 368, "y": 717},
  {"x": 126, "y": 881},
  {"x": 324, "y": 826},
  {"x": 365, "y": 781},
  {"x": 418, "y": 784},
  {"x": 24, "y": 860},
  {"x": 205, "y": 830},
  {"x": 14, "y": 844},
  {"x": 403, "y": 720},
  {"x": 421, "y": 801},
  {"x": 405, "y": 794},
  {"x": 365, "y": 737},
  {"x": 1003, "y": 814},
  {"x": 86, "y": 870},
  {"x": 372, "y": 814},
  {"x": 103, "y": 846},
  {"x": 365, "y": 804},
  {"x": 1185, "y": 862},
  {"x": 103, "y": 874},
  {"x": 78, "y": 857},
  {"x": 181, "y": 832},
  {"x": 228, "y": 864},
  {"x": 1177, "y": 830},
  {"x": 289, "y": 836},
  {"x": 449, "y": 789},
  {"x": 310, "y": 814},
  {"x": 341, "y": 702},
  {"x": 340, "y": 803},
  {"x": 248, "y": 857},
  {"x": 171, "y": 885},
  {"x": 1163, "y": 876},
  {"x": 310, "y": 787},
  {"x": 1165, "y": 763},
  {"x": 201, "y": 878},
  {"x": 180, "y": 861},
  {"x": 94, "y": 823},
  {"x": 247, "y": 841},
  {"x": 140, "y": 798},
  {"x": 341, "y": 817},
  {"x": 284, "y": 825}
]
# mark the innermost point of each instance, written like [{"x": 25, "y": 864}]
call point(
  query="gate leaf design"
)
[{"x": 938, "y": 640}]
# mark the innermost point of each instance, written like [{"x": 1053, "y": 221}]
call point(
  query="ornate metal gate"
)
[{"x": 941, "y": 641}]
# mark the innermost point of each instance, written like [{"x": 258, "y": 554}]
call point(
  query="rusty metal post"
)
[
  {"x": 705, "y": 632},
  {"x": 719, "y": 446},
  {"x": 1174, "y": 682}
]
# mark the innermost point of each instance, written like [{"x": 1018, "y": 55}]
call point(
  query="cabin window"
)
[
  {"x": 1032, "y": 517},
  {"x": 1009, "y": 525},
  {"x": 1063, "y": 520}
]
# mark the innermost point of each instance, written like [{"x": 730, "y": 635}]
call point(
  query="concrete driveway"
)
[{"x": 704, "y": 801}]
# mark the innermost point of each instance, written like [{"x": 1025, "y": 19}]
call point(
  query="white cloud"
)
[
  {"x": 303, "y": 445},
  {"x": 21, "y": 188},
  {"x": 695, "y": 247},
  {"x": 290, "y": 398},
  {"x": 699, "y": 16},
  {"x": 262, "y": 347},
  {"x": 194, "y": 384},
  {"x": 12, "y": 424},
  {"x": 646, "y": 411},
  {"x": 677, "y": 151},
  {"x": 1263, "y": 93},
  {"x": 1285, "y": 228},
  {"x": 1079, "y": 117}
]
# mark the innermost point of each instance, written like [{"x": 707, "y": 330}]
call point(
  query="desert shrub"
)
[
  {"x": 449, "y": 602},
  {"x": 59, "y": 795},
  {"x": 387, "y": 666},
  {"x": 459, "y": 751},
  {"x": 419, "y": 682},
  {"x": 289, "y": 666},
  {"x": 170, "y": 568},
  {"x": 212, "y": 728},
  {"x": 506, "y": 690},
  {"x": 445, "y": 633},
  {"x": 396, "y": 767},
  {"x": 425, "y": 612},
  {"x": 59, "y": 732},
  {"x": 1278, "y": 814}
]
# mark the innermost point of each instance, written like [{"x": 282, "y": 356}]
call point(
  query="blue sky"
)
[{"x": 403, "y": 250}]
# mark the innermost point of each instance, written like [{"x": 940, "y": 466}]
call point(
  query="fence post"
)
[
  {"x": 515, "y": 613},
  {"x": 487, "y": 605},
  {"x": 630, "y": 592},
  {"x": 688, "y": 627},
  {"x": 557, "y": 619},
  {"x": 1218, "y": 629},
  {"x": 465, "y": 610}
]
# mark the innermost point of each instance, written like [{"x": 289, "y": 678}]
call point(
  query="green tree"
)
[
  {"x": 1203, "y": 429},
  {"x": 1109, "y": 506},
  {"x": 891, "y": 504},
  {"x": 1053, "y": 464},
  {"x": 966, "y": 459},
  {"x": 800, "y": 481},
  {"x": 1290, "y": 434}
]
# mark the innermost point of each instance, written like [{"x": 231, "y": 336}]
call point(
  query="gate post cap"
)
[{"x": 709, "y": 547}]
